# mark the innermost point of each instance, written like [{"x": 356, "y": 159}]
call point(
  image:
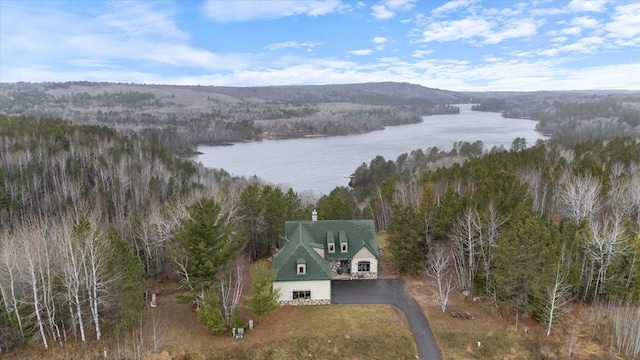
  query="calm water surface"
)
[{"x": 318, "y": 165}]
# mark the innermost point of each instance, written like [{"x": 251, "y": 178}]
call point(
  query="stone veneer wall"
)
[
  {"x": 304, "y": 302},
  {"x": 364, "y": 275},
  {"x": 334, "y": 265}
]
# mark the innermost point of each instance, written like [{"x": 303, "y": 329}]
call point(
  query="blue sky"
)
[{"x": 455, "y": 45}]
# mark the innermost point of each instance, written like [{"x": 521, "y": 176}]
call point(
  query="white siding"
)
[
  {"x": 364, "y": 255},
  {"x": 320, "y": 289}
]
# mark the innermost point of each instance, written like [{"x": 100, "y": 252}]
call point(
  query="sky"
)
[{"x": 460, "y": 45}]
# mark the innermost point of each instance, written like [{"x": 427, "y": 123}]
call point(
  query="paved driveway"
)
[{"x": 393, "y": 292}]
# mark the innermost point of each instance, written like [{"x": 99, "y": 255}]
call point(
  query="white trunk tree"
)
[
  {"x": 466, "y": 239},
  {"x": 72, "y": 277},
  {"x": 558, "y": 295},
  {"x": 439, "y": 270},
  {"x": 231, "y": 285},
  {"x": 605, "y": 242},
  {"x": 95, "y": 254},
  {"x": 579, "y": 198},
  {"x": 492, "y": 221},
  {"x": 10, "y": 275},
  {"x": 30, "y": 248}
]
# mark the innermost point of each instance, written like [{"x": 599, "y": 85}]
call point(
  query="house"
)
[{"x": 317, "y": 252}]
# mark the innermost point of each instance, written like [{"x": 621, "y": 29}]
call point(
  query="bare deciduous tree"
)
[
  {"x": 10, "y": 273},
  {"x": 231, "y": 284},
  {"x": 72, "y": 276},
  {"x": 579, "y": 198},
  {"x": 626, "y": 325},
  {"x": 465, "y": 240},
  {"x": 30, "y": 249},
  {"x": 558, "y": 294},
  {"x": 96, "y": 252},
  {"x": 438, "y": 269},
  {"x": 492, "y": 221},
  {"x": 605, "y": 241}
]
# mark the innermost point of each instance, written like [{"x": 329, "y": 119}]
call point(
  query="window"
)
[
  {"x": 343, "y": 247},
  {"x": 332, "y": 248},
  {"x": 301, "y": 266},
  {"x": 364, "y": 266},
  {"x": 302, "y": 295}
]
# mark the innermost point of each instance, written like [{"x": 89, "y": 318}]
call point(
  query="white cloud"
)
[
  {"x": 491, "y": 58},
  {"x": 381, "y": 12},
  {"x": 35, "y": 39},
  {"x": 247, "y": 10},
  {"x": 451, "y": 6},
  {"x": 45, "y": 36},
  {"x": 359, "y": 52},
  {"x": 389, "y": 8},
  {"x": 456, "y": 29},
  {"x": 402, "y": 5},
  {"x": 574, "y": 30},
  {"x": 141, "y": 19},
  {"x": 479, "y": 26},
  {"x": 379, "y": 40},
  {"x": 585, "y": 45},
  {"x": 625, "y": 23},
  {"x": 585, "y": 22},
  {"x": 291, "y": 44},
  {"x": 516, "y": 29},
  {"x": 421, "y": 53},
  {"x": 587, "y": 5}
]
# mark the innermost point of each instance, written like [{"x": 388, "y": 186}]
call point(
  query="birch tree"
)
[
  {"x": 466, "y": 239},
  {"x": 231, "y": 285},
  {"x": 579, "y": 197},
  {"x": 492, "y": 222},
  {"x": 605, "y": 242},
  {"x": 30, "y": 248},
  {"x": 95, "y": 256},
  {"x": 557, "y": 294},
  {"x": 438, "y": 269},
  {"x": 10, "y": 276},
  {"x": 72, "y": 277}
]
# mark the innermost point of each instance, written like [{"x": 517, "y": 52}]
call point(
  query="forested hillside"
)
[
  {"x": 532, "y": 230},
  {"x": 570, "y": 117},
  {"x": 180, "y": 117},
  {"x": 91, "y": 218}
]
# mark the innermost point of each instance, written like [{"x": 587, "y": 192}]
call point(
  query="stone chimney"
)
[{"x": 314, "y": 215}]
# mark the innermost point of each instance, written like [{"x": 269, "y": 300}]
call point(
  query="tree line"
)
[
  {"x": 571, "y": 118},
  {"x": 531, "y": 229}
]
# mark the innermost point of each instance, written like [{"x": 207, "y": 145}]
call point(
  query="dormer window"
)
[
  {"x": 342, "y": 235},
  {"x": 301, "y": 266},
  {"x": 331, "y": 242}
]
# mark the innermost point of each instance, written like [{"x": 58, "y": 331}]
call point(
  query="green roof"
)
[
  {"x": 356, "y": 233},
  {"x": 303, "y": 236},
  {"x": 298, "y": 250}
]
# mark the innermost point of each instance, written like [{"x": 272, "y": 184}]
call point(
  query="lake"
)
[{"x": 318, "y": 165}]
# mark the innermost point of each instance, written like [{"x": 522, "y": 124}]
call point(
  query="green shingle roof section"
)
[
  {"x": 357, "y": 233},
  {"x": 297, "y": 247}
]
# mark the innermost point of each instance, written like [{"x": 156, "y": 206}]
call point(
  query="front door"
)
[{"x": 345, "y": 266}]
